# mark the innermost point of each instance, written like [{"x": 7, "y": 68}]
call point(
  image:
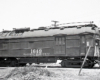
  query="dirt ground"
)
[{"x": 57, "y": 73}]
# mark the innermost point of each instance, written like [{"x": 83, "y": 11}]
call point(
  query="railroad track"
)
[{"x": 57, "y": 66}]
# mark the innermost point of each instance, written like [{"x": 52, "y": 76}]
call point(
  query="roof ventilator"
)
[
  {"x": 47, "y": 29},
  {"x": 41, "y": 28},
  {"x": 21, "y": 30},
  {"x": 62, "y": 28}
]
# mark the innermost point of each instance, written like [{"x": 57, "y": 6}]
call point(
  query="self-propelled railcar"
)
[{"x": 47, "y": 45}]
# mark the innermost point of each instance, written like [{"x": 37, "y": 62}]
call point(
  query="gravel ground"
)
[
  {"x": 4, "y": 72},
  {"x": 56, "y": 73}
]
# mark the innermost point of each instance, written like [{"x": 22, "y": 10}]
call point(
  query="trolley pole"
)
[{"x": 55, "y": 23}]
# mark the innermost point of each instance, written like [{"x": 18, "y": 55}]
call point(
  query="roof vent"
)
[
  {"x": 54, "y": 27},
  {"x": 21, "y": 30},
  {"x": 46, "y": 29},
  {"x": 41, "y": 28},
  {"x": 62, "y": 28}
]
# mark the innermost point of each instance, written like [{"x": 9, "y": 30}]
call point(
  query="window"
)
[
  {"x": 83, "y": 39},
  {"x": 63, "y": 41},
  {"x": 60, "y": 45},
  {"x": 60, "y": 41},
  {"x": 90, "y": 42}
]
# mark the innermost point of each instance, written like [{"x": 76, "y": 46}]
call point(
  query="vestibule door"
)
[{"x": 83, "y": 46}]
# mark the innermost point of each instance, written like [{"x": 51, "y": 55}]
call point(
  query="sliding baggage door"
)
[{"x": 60, "y": 45}]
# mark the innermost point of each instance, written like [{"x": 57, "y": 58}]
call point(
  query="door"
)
[
  {"x": 83, "y": 46},
  {"x": 60, "y": 45}
]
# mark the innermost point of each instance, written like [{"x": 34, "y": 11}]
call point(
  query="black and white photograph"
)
[{"x": 49, "y": 39}]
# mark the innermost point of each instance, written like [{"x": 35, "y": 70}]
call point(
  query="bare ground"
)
[{"x": 72, "y": 74}]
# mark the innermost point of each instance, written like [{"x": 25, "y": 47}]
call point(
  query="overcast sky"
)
[{"x": 36, "y": 13}]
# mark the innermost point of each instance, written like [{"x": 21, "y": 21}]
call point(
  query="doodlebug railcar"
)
[{"x": 46, "y": 45}]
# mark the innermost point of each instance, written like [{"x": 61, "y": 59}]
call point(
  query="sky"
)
[{"x": 37, "y": 13}]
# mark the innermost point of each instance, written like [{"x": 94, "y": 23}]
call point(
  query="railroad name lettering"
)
[{"x": 36, "y": 52}]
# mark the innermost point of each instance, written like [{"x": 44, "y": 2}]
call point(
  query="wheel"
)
[
  {"x": 13, "y": 64},
  {"x": 91, "y": 65},
  {"x": 88, "y": 64},
  {"x": 63, "y": 63}
]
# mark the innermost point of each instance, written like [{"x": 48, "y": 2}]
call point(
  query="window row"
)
[{"x": 18, "y": 45}]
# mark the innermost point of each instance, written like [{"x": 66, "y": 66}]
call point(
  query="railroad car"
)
[{"x": 68, "y": 43}]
